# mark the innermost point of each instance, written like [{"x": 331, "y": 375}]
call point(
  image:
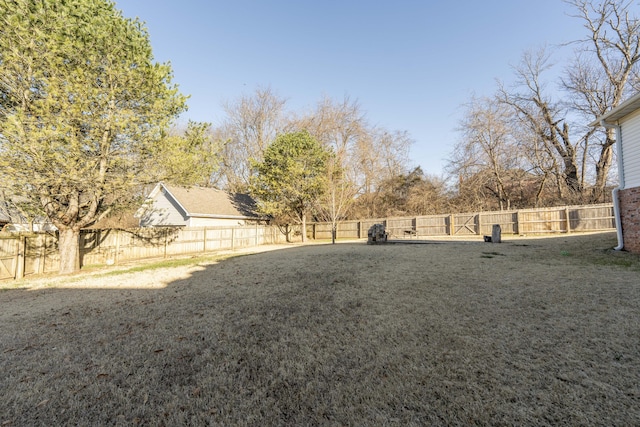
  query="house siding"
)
[
  {"x": 196, "y": 207},
  {"x": 214, "y": 222},
  {"x": 630, "y": 218},
  {"x": 165, "y": 211},
  {"x": 630, "y": 129}
]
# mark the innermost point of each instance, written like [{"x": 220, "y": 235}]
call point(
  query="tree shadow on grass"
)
[{"x": 333, "y": 335}]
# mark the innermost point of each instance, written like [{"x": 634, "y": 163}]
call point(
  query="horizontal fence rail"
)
[
  {"x": 37, "y": 253},
  {"x": 31, "y": 254},
  {"x": 566, "y": 219}
]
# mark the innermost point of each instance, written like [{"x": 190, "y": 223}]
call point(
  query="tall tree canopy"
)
[
  {"x": 252, "y": 122},
  {"x": 365, "y": 156},
  {"x": 84, "y": 111},
  {"x": 292, "y": 177}
]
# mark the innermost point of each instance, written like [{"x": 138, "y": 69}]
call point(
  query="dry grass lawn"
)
[{"x": 527, "y": 332}]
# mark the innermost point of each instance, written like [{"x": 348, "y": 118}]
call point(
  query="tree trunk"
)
[
  {"x": 571, "y": 177},
  {"x": 69, "y": 247},
  {"x": 603, "y": 165}
]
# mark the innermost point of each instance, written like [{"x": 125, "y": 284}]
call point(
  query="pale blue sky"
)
[{"x": 411, "y": 64}]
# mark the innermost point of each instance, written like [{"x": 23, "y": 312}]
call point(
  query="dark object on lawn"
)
[
  {"x": 376, "y": 234},
  {"x": 496, "y": 234},
  {"x": 410, "y": 233}
]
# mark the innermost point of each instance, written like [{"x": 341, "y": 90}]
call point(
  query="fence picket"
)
[
  {"x": 30, "y": 254},
  {"x": 563, "y": 219},
  {"x": 34, "y": 253}
]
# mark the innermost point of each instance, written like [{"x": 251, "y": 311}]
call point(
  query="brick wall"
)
[{"x": 630, "y": 218}]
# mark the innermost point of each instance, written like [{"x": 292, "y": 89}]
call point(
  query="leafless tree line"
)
[
  {"x": 365, "y": 156},
  {"x": 369, "y": 174},
  {"x": 531, "y": 144}
]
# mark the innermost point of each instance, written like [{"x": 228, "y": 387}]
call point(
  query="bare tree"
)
[
  {"x": 604, "y": 72},
  {"x": 334, "y": 204},
  {"x": 487, "y": 145},
  {"x": 542, "y": 166},
  {"x": 429, "y": 197},
  {"x": 412, "y": 193},
  {"x": 382, "y": 155},
  {"x": 252, "y": 123},
  {"x": 545, "y": 119},
  {"x": 338, "y": 126},
  {"x": 489, "y": 159},
  {"x": 365, "y": 156}
]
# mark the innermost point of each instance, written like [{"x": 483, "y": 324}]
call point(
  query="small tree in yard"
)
[
  {"x": 291, "y": 178},
  {"x": 84, "y": 113},
  {"x": 335, "y": 202}
]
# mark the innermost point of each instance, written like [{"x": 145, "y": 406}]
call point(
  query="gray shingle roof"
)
[
  {"x": 9, "y": 214},
  {"x": 208, "y": 202}
]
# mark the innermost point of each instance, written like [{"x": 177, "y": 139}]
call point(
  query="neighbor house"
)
[
  {"x": 13, "y": 220},
  {"x": 170, "y": 205},
  {"x": 4, "y": 219},
  {"x": 625, "y": 119},
  {"x": 9, "y": 215}
]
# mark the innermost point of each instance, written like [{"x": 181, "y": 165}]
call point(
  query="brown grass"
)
[{"x": 527, "y": 332}]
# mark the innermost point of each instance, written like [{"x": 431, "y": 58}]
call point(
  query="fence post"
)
[
  {"x": 479, "y": 225},
  {"x": 116, "y": 256},
  {"x": 43, "y": 253},
  {"x": 204, "y": 239},
  {"x": 517, "y": 230},
  {"x": 166, "y": 235},
  {"x": 233, "y": 237},
  {"x": 567, "y": 219},
  {"x": 20, "y": 257}
]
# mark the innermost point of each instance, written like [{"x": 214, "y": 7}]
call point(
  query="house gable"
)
[
  {"x": 196, "y": 207},
  {"x": 162, "y": 209}
]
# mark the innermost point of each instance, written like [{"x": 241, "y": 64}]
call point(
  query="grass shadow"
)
[{"x": 336, "y": 334}]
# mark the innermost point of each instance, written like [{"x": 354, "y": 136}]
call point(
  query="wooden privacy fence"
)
[
  {"x": 30, "y": 254},
  {"x": 564, "y": 219}
]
